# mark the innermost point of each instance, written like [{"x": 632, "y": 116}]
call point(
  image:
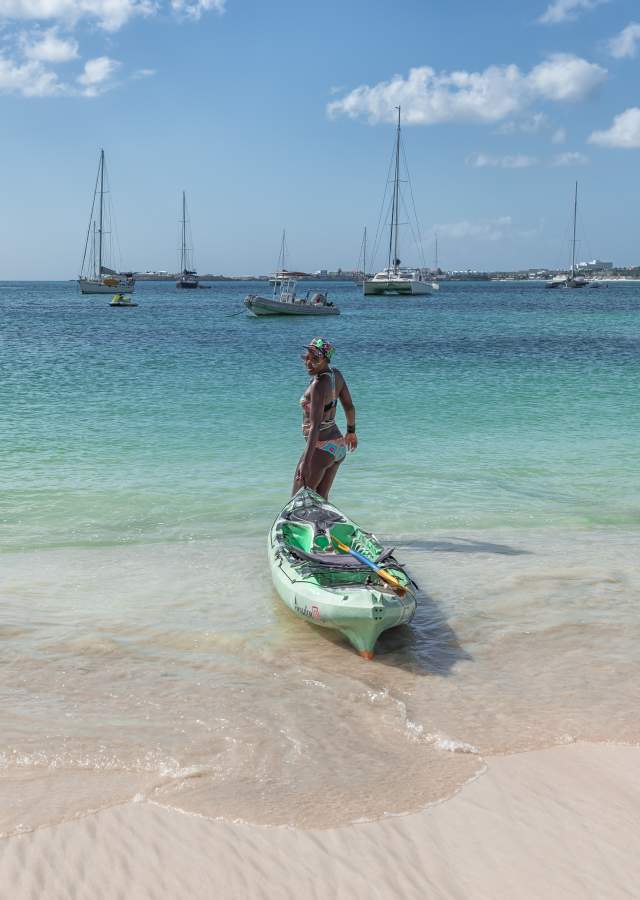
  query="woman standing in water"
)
[{"x": 326, "y": 446}]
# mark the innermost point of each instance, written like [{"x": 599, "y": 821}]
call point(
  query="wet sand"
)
[{"x": 557, "y": 823}]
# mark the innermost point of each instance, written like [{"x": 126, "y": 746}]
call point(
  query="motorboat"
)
[{"x": 285, "y": 302}]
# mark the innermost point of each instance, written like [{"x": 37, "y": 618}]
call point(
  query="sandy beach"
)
[{"x": 557, "y": 823}]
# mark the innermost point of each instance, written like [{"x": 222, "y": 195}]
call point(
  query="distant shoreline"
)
[
  {"x": 150, "y": 277},
  {"x": 344, "y": 279}
]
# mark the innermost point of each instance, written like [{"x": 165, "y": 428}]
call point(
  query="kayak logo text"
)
[{"x": 313, "y": 613}]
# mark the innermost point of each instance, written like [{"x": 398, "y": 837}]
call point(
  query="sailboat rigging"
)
[
  {"x": 188, "y": 276},
  {"x": 395, "y": 278},
  {"x": 96, "y": 277},
  {"x": 572, "y": 280},
  {"x": 361, "y": 273}
]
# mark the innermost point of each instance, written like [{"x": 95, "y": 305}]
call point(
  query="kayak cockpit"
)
[{"x": 310, "y": 545}]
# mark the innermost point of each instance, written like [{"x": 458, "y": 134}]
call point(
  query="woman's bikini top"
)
[{"x": 329, "y": 411}]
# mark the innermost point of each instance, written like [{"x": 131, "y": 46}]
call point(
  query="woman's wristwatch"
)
[{"x": 351, "y": 429}]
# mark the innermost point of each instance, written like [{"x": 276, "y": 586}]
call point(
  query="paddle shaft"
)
[{"x": 393, "y": 582}]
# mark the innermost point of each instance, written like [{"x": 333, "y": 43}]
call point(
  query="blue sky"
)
[{"x": 275, "y": 115}]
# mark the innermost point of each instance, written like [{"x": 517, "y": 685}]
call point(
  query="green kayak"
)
[{"x": 330, "y": 588}]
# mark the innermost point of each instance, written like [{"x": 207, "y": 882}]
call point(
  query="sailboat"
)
[
  {"x": 437, "y": 274},
  {"x": 282, "y": 274},
  {"x": 395, "y": 278},
  {"x": 96, "y": 277},
  {"x": 572, "y": 280},
  {"x": 188, "y": 277},
  {"x": 361, "y": 273}
]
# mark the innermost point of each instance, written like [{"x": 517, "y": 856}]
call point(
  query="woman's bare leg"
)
[
  {"x": 320, "y": 462},
  {"x": 327, "y": 480}
]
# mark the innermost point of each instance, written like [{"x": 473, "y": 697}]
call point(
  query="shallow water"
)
[{"x": 145, "y": 454}]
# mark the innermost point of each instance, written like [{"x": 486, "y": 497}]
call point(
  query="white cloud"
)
[
  {"x": 428, "y": 97},
  {"x": 30, "y": 79},
  {"x": 533, "y": 124},
  {"x": 559, "y": 136},
  {"x": 483, "y": 161},
  {"x": 193, "y": 9},
  {"x": 564, "y": 77},
  {"x": 48, "y": 47},
  {"x": 521, "y": 161},
  {"x": 485, "y": 229},
  {"x": 567, "y": 10},
  {"x": 623, "y": 45},
  {"x": 110, "y": 14},
  {"x": 97, "y": 75},
  {"x": 570, "y": 159},
  {"x": 28, "y": 60},
  {"x": 624, "y": 133}
]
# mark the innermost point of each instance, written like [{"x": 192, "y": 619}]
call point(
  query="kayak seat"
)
[
  {"x": 298, "y": 536},
  {"x": 315, "y": 515}
]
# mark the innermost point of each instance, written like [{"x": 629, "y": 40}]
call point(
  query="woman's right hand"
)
[
  {"x": 351, "y": 441},
  {"x": 304, "y": 471}
]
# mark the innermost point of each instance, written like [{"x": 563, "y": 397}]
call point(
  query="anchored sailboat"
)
[
  {"x": 572, "y": 280},
  {"x": 188, "y": 276},
  {"x": 395, "y": 278},
  {"x": 96, "y": 277},
  {"x": 282, "y": 274},
  {"x": 361, "y": 273}
]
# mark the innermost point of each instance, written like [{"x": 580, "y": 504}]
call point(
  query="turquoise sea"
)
[{"x": 145, "y": 453}]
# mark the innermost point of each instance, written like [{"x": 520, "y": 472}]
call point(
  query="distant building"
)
[{"x": 595, "y": 265}]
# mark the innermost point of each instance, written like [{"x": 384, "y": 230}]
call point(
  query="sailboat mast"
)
[
  {"x": 573, "y": 249},
  {"x": 364, "y": 254},
  {"x": 395, "y": 248},
  {"x": 435, "y": 261},
  {"x": 393, "y": 233},
  {"x": 99, "y": 272},
  {"x": 183, "y": 247}
]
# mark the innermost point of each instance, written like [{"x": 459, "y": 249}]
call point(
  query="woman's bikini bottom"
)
[{"x": 336, "y": 447}]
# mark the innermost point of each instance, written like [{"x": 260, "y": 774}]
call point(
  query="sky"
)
[{"x": 275, "y": 115}]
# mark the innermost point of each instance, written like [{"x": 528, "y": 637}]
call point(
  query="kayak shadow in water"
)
[
  {"x": 457, "y": 545},
  {"x": 427, "y": 646}
]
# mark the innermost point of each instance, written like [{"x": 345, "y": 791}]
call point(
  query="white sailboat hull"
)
[
  {"x": 391, "y": 286},
  {"x": 116, "y": 286}
]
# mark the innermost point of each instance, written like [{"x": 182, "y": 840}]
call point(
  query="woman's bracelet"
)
[{"x": 351, "y": 429}]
